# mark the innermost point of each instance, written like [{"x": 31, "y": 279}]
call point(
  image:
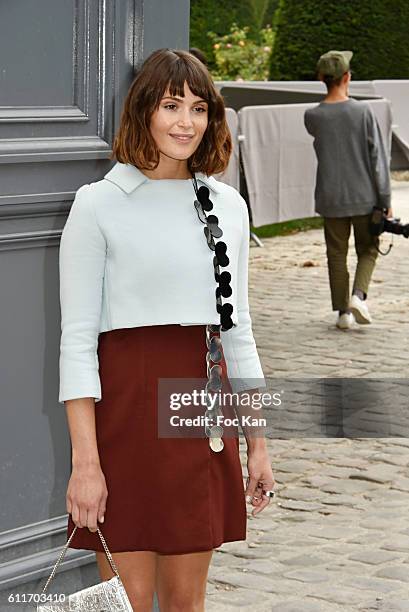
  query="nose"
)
[{"x": 185, "y": 118}]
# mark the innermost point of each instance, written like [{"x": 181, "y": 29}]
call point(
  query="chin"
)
[{"x": 178, "y": 155}]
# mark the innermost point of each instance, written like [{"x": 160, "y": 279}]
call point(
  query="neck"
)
[
  {"x": 337, "y": 94},
  {"x": 169, "y": 168}
]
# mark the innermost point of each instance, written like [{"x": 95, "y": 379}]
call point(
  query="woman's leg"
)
[
  {"x": 181, "y": 581},
  {"x": 137, "y": 571}
]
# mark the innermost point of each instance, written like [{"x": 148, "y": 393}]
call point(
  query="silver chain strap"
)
[
  {"x": 64, "y": 550},
  {"x": 214, "y": 432}
]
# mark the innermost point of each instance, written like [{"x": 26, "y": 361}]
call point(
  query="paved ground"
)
[{"x": 337, "y": 536}]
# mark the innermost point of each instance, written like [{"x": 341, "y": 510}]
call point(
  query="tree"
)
[
  {"x": 375, "y": 30},
  {"x": 240, "y": 58},
  {"x": 218, "y": 17}
]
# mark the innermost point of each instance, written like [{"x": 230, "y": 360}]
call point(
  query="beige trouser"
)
[{"x": 337, "y": 231}]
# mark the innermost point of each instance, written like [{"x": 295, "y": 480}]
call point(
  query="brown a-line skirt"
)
[{"x": 168, "y": 495}]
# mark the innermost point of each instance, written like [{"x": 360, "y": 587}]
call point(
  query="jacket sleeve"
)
[
  {"x": 243, "y": 363},
  {"x": 379, "y": 158},
  {"x": 81, "y": 267}
]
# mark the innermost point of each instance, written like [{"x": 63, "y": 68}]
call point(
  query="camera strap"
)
[{"x": 388, "y": 250}]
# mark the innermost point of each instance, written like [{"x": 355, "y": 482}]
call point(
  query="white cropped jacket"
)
[{"x": 133, "y": 253}]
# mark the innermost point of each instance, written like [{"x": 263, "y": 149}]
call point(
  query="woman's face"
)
[{"x": 185, "y": 118}]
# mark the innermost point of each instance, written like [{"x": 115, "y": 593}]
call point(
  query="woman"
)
[{"x": 137, "y": 289}]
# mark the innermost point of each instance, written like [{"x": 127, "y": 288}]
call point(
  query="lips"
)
[{"x": 181, "y": 138}]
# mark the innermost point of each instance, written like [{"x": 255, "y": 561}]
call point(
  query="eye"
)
[{"x": 170, "y": 104}]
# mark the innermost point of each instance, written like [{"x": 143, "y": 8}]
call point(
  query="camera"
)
[{"x": 381, "y": 223}]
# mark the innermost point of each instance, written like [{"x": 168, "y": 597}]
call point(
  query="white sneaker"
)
[
  {"x": 345, "y": 321},
  {"x": 360, "y": 310}
]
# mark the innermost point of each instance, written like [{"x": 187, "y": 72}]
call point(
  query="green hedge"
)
[
  {"x": 288, "y": 227},
  {"x": 375, "y": 30},
  {"x": 218, "y": 17}
]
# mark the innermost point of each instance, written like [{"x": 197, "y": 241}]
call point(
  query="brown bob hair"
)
[{"x": 134, "y": 144}]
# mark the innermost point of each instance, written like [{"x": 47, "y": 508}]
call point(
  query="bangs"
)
[
  {"x": 197, "y": 84},
  {"x": 176, "y": 71}
]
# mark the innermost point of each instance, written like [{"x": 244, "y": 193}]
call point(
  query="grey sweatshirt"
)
[{"x": 353, "y": 162}]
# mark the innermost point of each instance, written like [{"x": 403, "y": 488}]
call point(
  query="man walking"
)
[{"x": 352, "y": 177}]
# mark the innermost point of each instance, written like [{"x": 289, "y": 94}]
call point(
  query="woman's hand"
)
[
  {"x": 86, "y": 495},
  {"x": 260, "y": 477}
]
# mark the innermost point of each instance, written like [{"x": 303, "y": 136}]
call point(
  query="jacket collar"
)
[{"x": 128, "y": 177}]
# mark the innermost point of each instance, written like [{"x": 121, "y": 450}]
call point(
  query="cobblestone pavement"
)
[{"x": 337, "y": 535}]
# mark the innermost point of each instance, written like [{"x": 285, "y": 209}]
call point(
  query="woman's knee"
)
[
  {"x": 183, "y": 602},
  {"x": 141, "y": 599},
  {"x": 183, "y": 597}
]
